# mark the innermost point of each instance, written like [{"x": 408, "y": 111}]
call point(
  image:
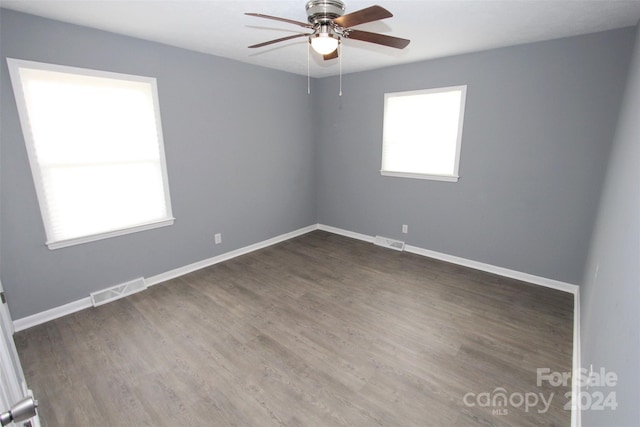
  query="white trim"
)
[
  {"x": 14, "y": 66},
  {"x": 181, "y": 271},
  {"x": 456, "y": 165},
  {"x": 576, "y": 420},
  {"x": 500, "y": 271},
  {"x": 11, "y": 373},
  {"x": 576, "y": 411},
  {"x": 81, "y": 304},
  {"x": 447, "y": 178},
  {"x": 121, "y": 232},
  {"x": 72, "y": 307},
  {"x": 23, "y": 63},
  {"x": 346, "y": 233},
  {"x": 53, "y": 313}
]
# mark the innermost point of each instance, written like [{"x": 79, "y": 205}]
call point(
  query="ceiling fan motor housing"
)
[
  {"x": 321, "y": 11},
  {"x": 329, "y": 25}
]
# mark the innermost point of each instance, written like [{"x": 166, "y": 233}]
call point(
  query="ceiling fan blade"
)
[
  {"x": 281, "y": 39},
  {"x": 331, "y": 55},
  {"x": 275, "y": 18},
  {"x": 376, "y": 38},
  {"x": 362, "y": 16}
]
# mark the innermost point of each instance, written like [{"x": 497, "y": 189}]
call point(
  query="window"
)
[
  {"x": 422, "y": 133},
  {"x": 94, "y": 141}
]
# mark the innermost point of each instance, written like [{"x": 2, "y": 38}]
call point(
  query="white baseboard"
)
[
  {"x": 505, "y": 272},
  {"x": 81, "y": 304},
  {"x": 346, "y": 233},
  {"x": 576, "y": 414},
  {"x": 181, "y": 271},
  {"x": 500, "y": 271},
  {"x": 53, "y": 313}
]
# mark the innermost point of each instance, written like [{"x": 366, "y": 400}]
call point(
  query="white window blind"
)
[
  {"x": 95, "y": 146},
  {"x": 422, "y": 133}
]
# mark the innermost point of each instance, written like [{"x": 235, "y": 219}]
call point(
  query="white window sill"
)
[
  {"x": 92, "y": 238},
  {"x": 448, "y": 178}
]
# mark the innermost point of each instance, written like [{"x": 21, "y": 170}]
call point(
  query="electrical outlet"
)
[
  {"x": 218, "y": 238},
  {"x": 405, "y": 228}
]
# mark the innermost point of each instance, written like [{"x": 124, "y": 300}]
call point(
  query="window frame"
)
[
  {"x": 455, "y": 176},
  {"x": 52, "y": 243}
]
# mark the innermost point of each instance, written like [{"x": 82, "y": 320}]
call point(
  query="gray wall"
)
[
  {"x": 239, "y": 155},
  {"x": 610, "y": 295},
  {"x": 252, "y": 156},
  {"x": 538, "y": 128}
]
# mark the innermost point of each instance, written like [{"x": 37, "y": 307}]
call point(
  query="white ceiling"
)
[{"x": 436, "y": 28}]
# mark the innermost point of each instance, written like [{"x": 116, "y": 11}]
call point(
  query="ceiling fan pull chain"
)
[
  {"x": 340, "y": 59},
  {"x": 328, "y": 24},
  {"x": 308, "y": 69}
]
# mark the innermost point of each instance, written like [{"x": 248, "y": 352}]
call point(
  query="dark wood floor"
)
[{"x": 320, "y": 330}]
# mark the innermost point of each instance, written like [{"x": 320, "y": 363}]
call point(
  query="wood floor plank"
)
[{"x": 320, "y": 330}]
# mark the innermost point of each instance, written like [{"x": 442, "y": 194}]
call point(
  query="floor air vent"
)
[
  {"x": 389, "y": 243},
  {"x": 118, "y": 291}
]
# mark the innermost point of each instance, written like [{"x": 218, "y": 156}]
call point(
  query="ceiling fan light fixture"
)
[
  {"x": 324, "y": 43},
  {"x": 329, "y": 25}
]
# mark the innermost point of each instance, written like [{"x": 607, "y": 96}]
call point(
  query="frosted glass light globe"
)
[{"x": 324, "y": 43}]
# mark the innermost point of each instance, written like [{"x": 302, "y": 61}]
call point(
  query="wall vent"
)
[
  {"x": 118, "y": 291},
  {"x": 389, "y": 243}
]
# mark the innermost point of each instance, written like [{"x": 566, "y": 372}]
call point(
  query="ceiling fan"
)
[{"x": 329, "y": 26}]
